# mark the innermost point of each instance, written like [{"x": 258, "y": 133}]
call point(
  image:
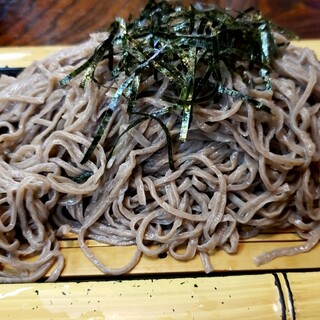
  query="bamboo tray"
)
[
  {"x": 167, "y": 288},
  {"x": 265, "y": 296}
]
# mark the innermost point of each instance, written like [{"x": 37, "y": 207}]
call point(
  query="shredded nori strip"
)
[
  {"x": 83, "y": 177},
  {"x": 176, "y": 42},
  {"x": 143, "y": 117}
]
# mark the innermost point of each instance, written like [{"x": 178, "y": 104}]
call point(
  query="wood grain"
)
[
  {"x": 302, "y": 17},
  {"x": 63, "y": 22},
  {"x": 266, "y": 294}
]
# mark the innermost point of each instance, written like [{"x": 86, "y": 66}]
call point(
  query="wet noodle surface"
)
[{"x": 241, "y": 170}]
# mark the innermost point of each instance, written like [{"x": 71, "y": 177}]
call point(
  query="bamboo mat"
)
[{"x": 267, "y": 294}]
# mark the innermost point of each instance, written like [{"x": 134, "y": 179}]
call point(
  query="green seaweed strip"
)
[
  {"x": 192, "y": 48},
  {"x": 189, "y": 61},
  {"x": 90, "y": 65},
  {"x": 83, "y": 177},
  {"x": 111, "y": 107},
  {"x": 143, "y": 117},
  {"x": 132, "y": 93},
  {"x": 238, "y": 95}
]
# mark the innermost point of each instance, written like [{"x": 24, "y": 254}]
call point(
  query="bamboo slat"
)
[
  {"x": 264, "y": 296},
  {"x": 21, "y": 57},
  {"x": 69, "y": 240},
  {"x": 306, "y": 294},
  {"x": 24, "y": 56},
  {"x": 77, "y": 265}
]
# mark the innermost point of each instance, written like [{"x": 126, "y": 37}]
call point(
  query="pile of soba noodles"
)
[{"x": 240, "y": 171}]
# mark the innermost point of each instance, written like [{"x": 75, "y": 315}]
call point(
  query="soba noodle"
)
[{"x": 241, "y": 170}]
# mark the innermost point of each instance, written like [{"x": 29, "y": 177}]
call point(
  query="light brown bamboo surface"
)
[
  {"x": 24, "y": 56},
  {"x": 177, "y": 295},
  {"x": 264, "y": 296}
]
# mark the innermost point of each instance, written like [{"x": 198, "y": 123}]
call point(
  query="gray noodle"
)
[{"x": 241, "y": 171}]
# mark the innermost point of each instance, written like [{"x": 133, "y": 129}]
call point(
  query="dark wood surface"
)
[{"x": 47, "y": 22}]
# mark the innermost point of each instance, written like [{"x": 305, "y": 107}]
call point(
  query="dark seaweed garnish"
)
[{"x": 188, "y": 46}]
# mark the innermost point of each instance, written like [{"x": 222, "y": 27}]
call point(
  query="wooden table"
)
[{"x": 47, "y": 22}]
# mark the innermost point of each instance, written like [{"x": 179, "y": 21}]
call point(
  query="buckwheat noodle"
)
[{"x": 240, "y": 172}]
